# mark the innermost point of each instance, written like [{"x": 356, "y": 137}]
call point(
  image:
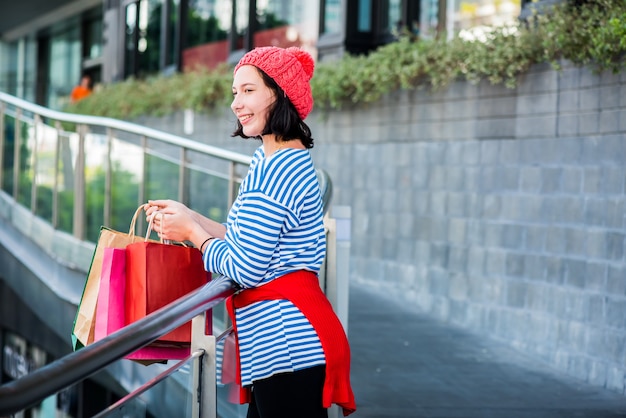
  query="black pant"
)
[{"x": 289, "y": 395}]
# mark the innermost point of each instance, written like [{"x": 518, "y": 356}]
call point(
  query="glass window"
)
[
  {"x": 9, "y": 67},
  {"x": 29, "y": 71},
  {"x": 208, "y": 21},
  {"x": 64, "y": 71},
  {"x": 331, "y": 17},
  {"x": 149, "y": 44},
  {"x": 240, "y": 16},
  {"x": 93, "y": 38},
  {"x": 143, "y": 37},
  {"x": 172, "y": 37},
  {"x": 209, "y": 24},
  {"x": 412, "y": 18},
  {"x": 395, "y": 23},
  {"x": 428, "y": 18},
  {"x": 18, "y": 69},
  {"x": 364, "y": 23},
  {"x": 469, "y": 16},
  {"x": 287, "y": 23},
  {"x": 130, "y": 43}
]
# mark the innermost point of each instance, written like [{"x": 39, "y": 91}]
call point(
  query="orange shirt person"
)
[{"x": 82, "y": 90}]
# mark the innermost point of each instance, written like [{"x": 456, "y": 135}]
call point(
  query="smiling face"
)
[{"x": 252, "y": 100}]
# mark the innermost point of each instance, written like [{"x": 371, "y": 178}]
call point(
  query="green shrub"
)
[{"x": 592, "y": 34}]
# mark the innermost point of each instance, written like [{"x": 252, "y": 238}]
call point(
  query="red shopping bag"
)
[
  {"x": 158, "y": 274},
  {"x": 110, "y": 310}
]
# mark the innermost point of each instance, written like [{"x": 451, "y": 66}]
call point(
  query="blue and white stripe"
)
[{"x": 274, "y": 227}]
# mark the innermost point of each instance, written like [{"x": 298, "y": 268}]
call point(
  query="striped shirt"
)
[{"x": 274, "y": 227}]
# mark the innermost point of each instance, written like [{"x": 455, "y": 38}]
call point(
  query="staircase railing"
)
[
  {"x": 70, "y": 171},
  {"x": 52, "y": 378}
]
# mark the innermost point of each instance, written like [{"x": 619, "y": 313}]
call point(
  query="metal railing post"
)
[
  {"x": 17, "y": 152},
  {"x": 338, "y": 263},
  {"x": 79, "y": 186},
  {"x": 2, "y": 142},
  {"x": 204, "y": 371},
  {"x": 337, "y": 268},
  {"x": 142, "y": 183},
  {"x": 183, "y": 181},
  {"x": 108, "y": 179},
  {"x": 55, "y": 182},
  {"x": 35, "y": 164}
]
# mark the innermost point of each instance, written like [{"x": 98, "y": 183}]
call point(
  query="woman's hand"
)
[
  {"x": 181, "y": 221},
  {"x": 171, "y": 219}
]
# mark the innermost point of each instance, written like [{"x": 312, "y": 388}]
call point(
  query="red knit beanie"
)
[{"x": 291, "y": 68}]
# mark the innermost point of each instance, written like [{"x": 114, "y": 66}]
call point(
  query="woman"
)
[{"x": 294, "y": 357}]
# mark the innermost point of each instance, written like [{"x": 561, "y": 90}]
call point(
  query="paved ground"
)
[{"x": 405, "y": 364}]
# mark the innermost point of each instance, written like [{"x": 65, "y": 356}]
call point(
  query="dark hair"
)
[{"x": 283, "y": 120}]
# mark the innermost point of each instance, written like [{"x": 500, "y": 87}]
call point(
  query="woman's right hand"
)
[
  {"x": 171, "y": 207},
  {"x": 172, "y": 220},
  {"x": 163, "y": 206}
]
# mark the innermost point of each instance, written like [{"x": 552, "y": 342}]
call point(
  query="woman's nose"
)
[{"x": 235, "y": 103}]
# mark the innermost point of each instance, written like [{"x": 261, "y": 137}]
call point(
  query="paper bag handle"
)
[
  {"x": 133, "y": 222},
  {"x": 163, "y": 241},
  {"x": 149, "y": 230}
]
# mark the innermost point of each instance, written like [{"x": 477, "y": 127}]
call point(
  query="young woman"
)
[{"x": 294, "y": 357}]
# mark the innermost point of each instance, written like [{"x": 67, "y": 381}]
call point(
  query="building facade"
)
[{"x": 43, "y": 54}]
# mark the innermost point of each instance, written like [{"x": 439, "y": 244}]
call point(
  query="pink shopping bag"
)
[
  {"x": 110, "y": 310},
  {"x": 110, "y": 302}
]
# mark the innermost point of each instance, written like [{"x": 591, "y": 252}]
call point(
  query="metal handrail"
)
[
  {"x": 62, "y": 373},
  {"x": 151, "y": 383},
  {"x": 126, "y": 127}
]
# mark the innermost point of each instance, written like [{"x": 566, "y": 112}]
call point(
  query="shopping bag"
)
[
  {"x": 84, "y": 326},
  {"x": 111, "y": 293},
  {"x": 156, "y": 275},
  {"x": 110, "y": 310}
]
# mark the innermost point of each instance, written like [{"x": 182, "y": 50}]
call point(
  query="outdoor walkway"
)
[{"x": 405, "y": 364}]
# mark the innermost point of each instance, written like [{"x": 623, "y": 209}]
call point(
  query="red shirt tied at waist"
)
[{"x": 303, "y": 290}]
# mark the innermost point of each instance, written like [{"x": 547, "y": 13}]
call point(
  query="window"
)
[
  {"x": 469, "y": 16},
  {"x": 208, "y": 21},
  {"x": 65, "y": 67},
  {"x": 364, "y": 22},
  {"x": 143, "y": 37},
  {"x": 286, "y": 23},
  {"x": 331, "y": 17}
]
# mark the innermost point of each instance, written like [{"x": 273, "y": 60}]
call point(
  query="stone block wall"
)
[{"x": 499, "y": 210}]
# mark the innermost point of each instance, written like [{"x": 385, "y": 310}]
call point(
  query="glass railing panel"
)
[
  {"x": 26, "y": 154},
  {"x": 227, "y": 393},
  {"x": 162, "y": 178},
  {"x": 96, "y": 155},
  {"x": 168, "y": 395},
  {"x": 135, "y": 408},
  {"x": 8, "y": 154},
  {"x": 221, "y": 320},
  {"x": 220, "y": 182},
  {"x": 126, "y": 177},
  {"x": 68, "y": 150},
  {"x": 48, "y": 407},
  {"x": 45, "y": 172},
  {"x": 208, "y": 194}
]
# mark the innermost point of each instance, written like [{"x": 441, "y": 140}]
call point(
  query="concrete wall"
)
[{"x": 499, "y": 210}]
